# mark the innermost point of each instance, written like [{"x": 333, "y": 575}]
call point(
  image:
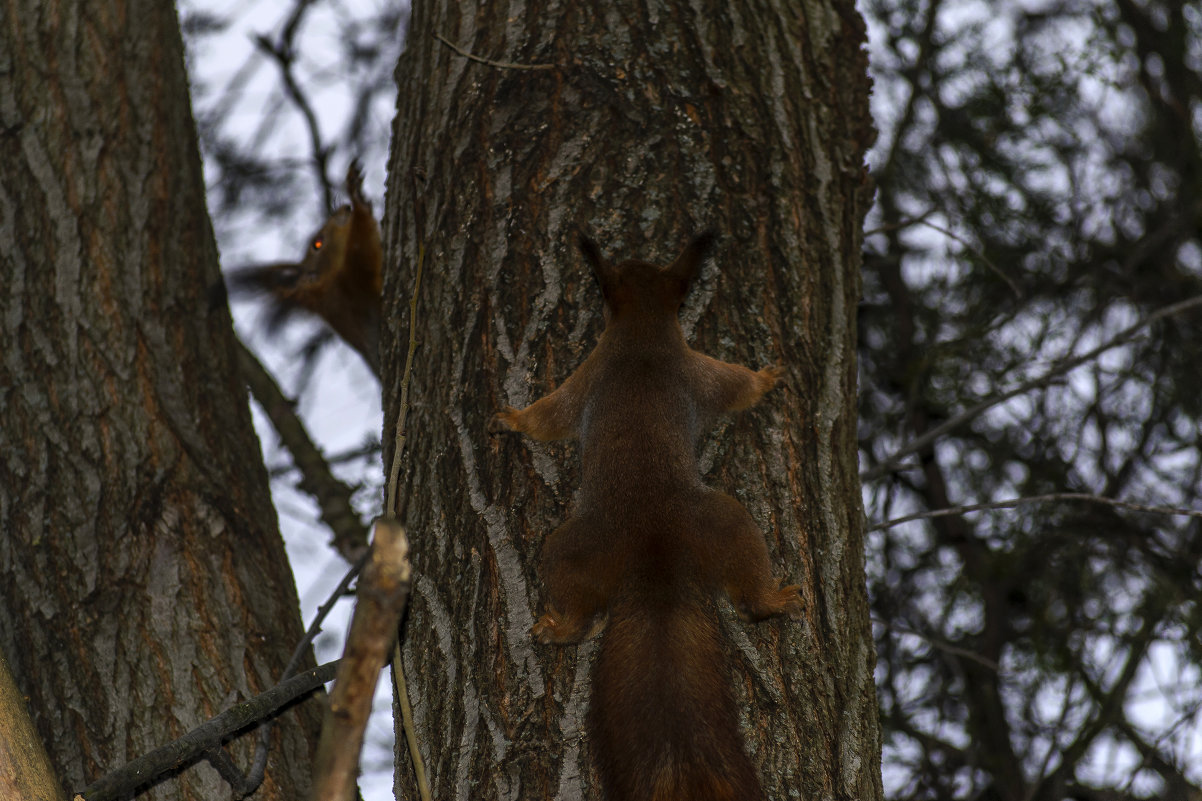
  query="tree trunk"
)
[
  {"x": 654, "y": 123},
  {"x": 143, "y": 583}
]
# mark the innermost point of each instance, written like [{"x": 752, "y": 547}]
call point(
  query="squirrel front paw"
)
[
  {"x": 772, "y": 376},
  {"x": 503, "y": 421}
]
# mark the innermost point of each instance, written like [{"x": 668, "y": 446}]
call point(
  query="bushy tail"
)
[{"x": 663, "y": 721}]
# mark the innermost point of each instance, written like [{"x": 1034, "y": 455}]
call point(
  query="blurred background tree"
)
[
  {"x": 1038, "y": 198},
  {"x": 285, "y": 95},
  {"x": 1038, "y": 193}
]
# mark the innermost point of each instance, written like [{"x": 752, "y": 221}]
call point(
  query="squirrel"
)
[
  {"x": 339, "y": 278},
  {"x": 649, "y": 546}
]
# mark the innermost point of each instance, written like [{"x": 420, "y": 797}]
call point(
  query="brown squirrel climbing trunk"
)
[
  {"x": 143, "y": 583},
  {"x": 651, "y": 124},
  {"x": 649, "y": 546}
]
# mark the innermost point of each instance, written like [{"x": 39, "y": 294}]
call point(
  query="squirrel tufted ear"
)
[
  {"x": 690, "y": 261},
  {"x": 590, "y": 250},
  {"x": 604, "y": 272}
]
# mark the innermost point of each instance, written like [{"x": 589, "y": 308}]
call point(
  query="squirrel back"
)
[
  {"x": 338, "y": 279},
  {"x": 649, "y": 546}
]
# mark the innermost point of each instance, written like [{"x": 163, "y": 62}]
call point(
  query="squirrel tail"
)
[{"x": 663, "y": 720}]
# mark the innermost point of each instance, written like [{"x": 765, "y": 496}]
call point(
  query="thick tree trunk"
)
[
  {"x": 143, "y": 583},
  {"x": 655, "y": 122}
]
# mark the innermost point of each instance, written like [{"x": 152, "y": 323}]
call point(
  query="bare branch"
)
[
  {"x": 26, "y": 772},
  {"x": 383, "y": 591},
  {"x": 366, "y": 450},
  {"x": 392, "y": 502},
  {"x": 282, "y": 52},
  {"x": 147, "y": 769},
  {"x": 1110, "y": 702},
  {"x": 508, "y": 65},
  {"x": 1050, "y": 497},
  {"x": 333, "y": 496},
  {"x": 976, "y": 251},
  {"x": 971, "y": 413},
  {"x": 245, "y": 785},
  {"x": 937, "y": 643}
]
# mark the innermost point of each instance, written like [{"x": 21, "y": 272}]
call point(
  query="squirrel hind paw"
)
[
  {"x": 784, "y": 601},
  {"x": 791, "y": 603},
  {"x": 556, "y": 629},
  {"x": 549, "y": 629},
  {"x": 542, "y": 630}
]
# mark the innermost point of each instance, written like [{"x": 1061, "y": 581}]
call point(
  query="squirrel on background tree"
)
[
  {"x": 649, "y": 546},
  {"x": 339, "y": 278}
]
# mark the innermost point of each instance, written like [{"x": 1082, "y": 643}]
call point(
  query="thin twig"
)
[
  {"x": 258, "y": 768},
  {"x": 1110, "y": 702},
  {"x": 975, "y": 250},
  {"x": 939, "y": 644},
  {"x": 924, "y": 441},
  {"x": 1048, "y": 498},
  {"x": 507, "y": 65},
  {"x": 364, "y": 451},
  {"x": 322, "y": 612},
  {"x": 922, "y": 220},
  {"x": 392, "y": 501},
  {"x": 904, "y": 222},
  {"x": 282, "y": 54},
  {"x": 401, "y": 690}
]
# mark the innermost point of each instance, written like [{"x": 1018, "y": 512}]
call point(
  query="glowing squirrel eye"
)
[{"x": 317, "y": 244}]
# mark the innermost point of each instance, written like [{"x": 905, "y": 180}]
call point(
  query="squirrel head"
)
[
  {"x": 638, "y": 288},
  {"x": 327, "y": 248}
]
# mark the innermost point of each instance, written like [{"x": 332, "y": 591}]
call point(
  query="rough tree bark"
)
[
  {"x": 657, "y": 120},
  {"x": 143, "y": 582}
]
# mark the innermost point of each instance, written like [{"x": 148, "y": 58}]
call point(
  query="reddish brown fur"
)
[
  {"x": 649, "y": 546},
  {"x": 339, "y": 279}
]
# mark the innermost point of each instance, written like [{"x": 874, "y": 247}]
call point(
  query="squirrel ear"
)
[
  {"x": 604, "y": 272},
  {"x": 688, "y": 264}
]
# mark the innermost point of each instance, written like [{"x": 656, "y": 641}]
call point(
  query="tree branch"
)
[
  {"x": 149, "y": 768},
  {"x": 928, "y": 438},
  {"x": 26, "y": 772},
  {"x": 1110, "y": 702},
  {"x": 333, "y": 496},
  {"x": 936, "y": 643},
  {"x": 383, "y": 591},
  {"x": 368, "y": 449},
  {"x": 245, "y": 785},
  {"x": 1050, "y": 497},
  {"x": 392, "y": 501},
  {"x": 282, "y": 54},
  {"x": 508, "y": 65}
]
